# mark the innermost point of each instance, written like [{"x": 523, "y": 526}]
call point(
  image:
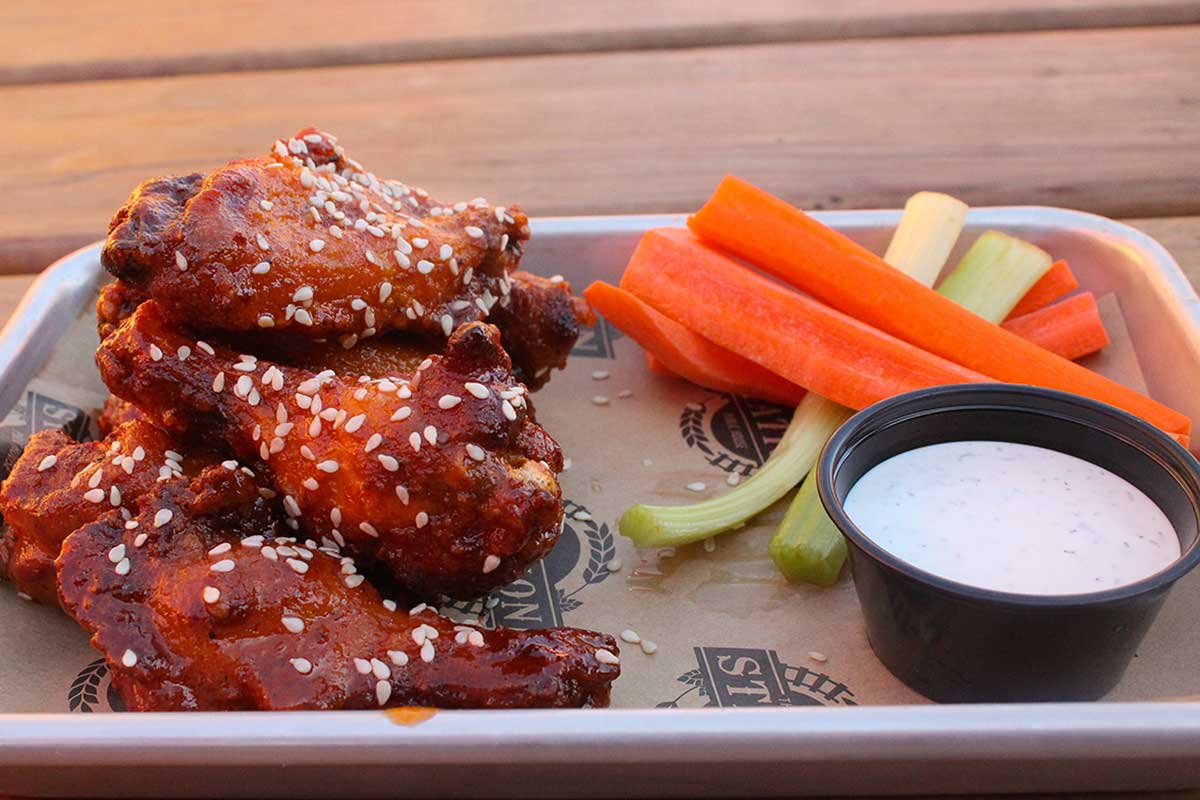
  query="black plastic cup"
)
[{"x": 957, "y": 643}]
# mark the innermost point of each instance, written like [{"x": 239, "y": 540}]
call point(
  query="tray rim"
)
[{"x": 1001, "y": 732}]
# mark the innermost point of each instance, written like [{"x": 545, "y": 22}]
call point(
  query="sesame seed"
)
[
  {"x": 291, "y": 506},
  {"x": 820, "y": 658},
  {"x": 211, "y": 594},
  {"x": 253, "y": 541},
  {"x": 225, "y": 565},
  {"x": 375, "y": 440},
  {"x": 129, "y": 658},
  {"x": 180, "y": 261},
  {"x": 600, "y": 375},
  {"x": 427, "y": 651},
  {"x": 328, "y": 465},
  {"x": 582, "y": 516},
  {"x": 402, "y": 413},
  {"x": 696, "y": 486},
  {"x": 269, "y": 553},
  {"x": 183, "y": 352},
  {"x": 301, "y": 665},
  {"x": 117, "y": 553},
  {"x": 734, "y": 479},
  {"x": 386, "y": 386},
  {"x": 473, "y": 231},
  {"x": 368, "y": 529},
  {"x": 510, "y": 413},
  {"x": 354, "y": 581},
  {"x": 599, "y": 400},
  {"x": 390, "y": 605},
  {"x": 47, "y": 462},
  {"x": 363, "y": 666},
  {"x": 94, "y": 480},
  {"x": 606, "y": 657},
  {"x": 94, "y": 495},
  {"x": 383, "y": 690},
  {"x": 614, "y": 565},
  {"x": 316, "y": 245},
  {"x": 156, "y": 353},
  {"x": 380, "y": 669},
  {"x": 263, "y": 244},
  {"x": 431, "y": 434},
  {"x": 420, "y": 243},
  {"x": 122, "y": 567},
  {"x": 297, "y": 566},
  {"x": 424, "y": 267},
  {"x": 402, "y": 493},
  {"x": 445, "y": 252},
  {"x": 355, "y": 422},
  {"x": 490, "y": 564},
  {"x": 397, "y": 657},
  {"x": 422, "y": 519},
  {"x": 447, "y": 324},
  {"x": 477, "y": 390},
  {"x": 335, "y": 515},
  {"x": 625, "y": 394},
  {"x": 302, "y": 295},
  {"x": 303, "y": 317},
  {"x": 475, "y": 638},
  {"x": 265, "y": 205},
  {"x": 389, "y": 463},
  {"x": 224, "y": 547},
  {"x": 649, "y": 647},
  {"x": 293, "y": 624},
  {"x": 448, "y": 401},
  {"x": 475, "y": 452},
  {"x": 314, "y": 427},
  {"x": 417, "y": 609},
  {"x": 414, "y": 440}
]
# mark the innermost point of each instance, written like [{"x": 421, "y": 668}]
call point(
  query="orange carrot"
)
[
  {"x": 687, "y": 354},
  {"x": 1056, "y": 283},
  {"x": 793, "y": 336},
  {"x": 1072, "y": 328},
  {"x": 659, "y": 368},
  {"x": 788, "y": 243}
]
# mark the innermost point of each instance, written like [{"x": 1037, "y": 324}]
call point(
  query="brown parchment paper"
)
[{"x": 729, "y": 630}]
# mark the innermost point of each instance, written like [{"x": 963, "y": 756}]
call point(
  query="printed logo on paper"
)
[
  {"x": 735, "y": 434},
  {"x": 36, "y": 412},
  {"x": 737, "y": 676},
  {"x": 92, "y": 690},
  {"x": 597, "y": 341},
  {"x": 554, "y": 586}
]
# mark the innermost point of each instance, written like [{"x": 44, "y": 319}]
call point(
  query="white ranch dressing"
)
[{"x": 1012, "y": 517}]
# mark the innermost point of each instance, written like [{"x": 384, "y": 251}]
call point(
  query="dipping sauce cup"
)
[{"x": 958, "y": 643}]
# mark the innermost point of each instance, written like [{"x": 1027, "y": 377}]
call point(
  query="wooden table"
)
[{"x": 615, "y": 107}]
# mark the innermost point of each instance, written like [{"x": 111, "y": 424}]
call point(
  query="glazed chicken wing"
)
[
  {"x": 441, "y": 475},
  {"x": 58, "y": 485},
  {"x": 200, "y": 604},
  {"x": 307, "y": 240}
]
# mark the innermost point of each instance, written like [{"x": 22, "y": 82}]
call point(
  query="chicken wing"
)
[
  {"x": 539, "y": 325},
  {"x": 442, "y": 476},
  {"x": 305, "y": 239},
  {"x": 200, "y": 604},
  {"x": 58, "y": 485}
]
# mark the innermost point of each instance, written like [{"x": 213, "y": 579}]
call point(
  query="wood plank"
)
[
  {"x": 84, "y": 40},
  {"x": 1107, "y": 121}
]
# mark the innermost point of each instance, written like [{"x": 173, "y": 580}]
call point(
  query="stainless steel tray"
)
[{"x": 728, "y": 751}]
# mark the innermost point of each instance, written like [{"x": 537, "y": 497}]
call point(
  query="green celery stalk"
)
[
  {"x": 926, "y": 234},
  {"x": 807, "y": 546},
  {"x": 815, "y": 418},
  {"x": 991, "y": 278},
  {"x": 668, "y": 526},
  {"x": 995, "y": 274}
]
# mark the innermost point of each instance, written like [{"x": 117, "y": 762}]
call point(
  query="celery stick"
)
[
  {"x": 807, "y": 546},
  {"x": 664, "y": 526},
  {"x": 926, "y": 234},
  {"x": 995, "y": 274}
]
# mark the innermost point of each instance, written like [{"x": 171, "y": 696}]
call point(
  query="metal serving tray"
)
[{"x": 915, "y": 749}]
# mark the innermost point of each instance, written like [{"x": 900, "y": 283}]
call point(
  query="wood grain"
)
[
  {"x": 1107, "y": 121},
  {"x": 84, "y": 40}
]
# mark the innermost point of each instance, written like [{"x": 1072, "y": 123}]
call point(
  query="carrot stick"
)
[
  {"x": 1058, "y": 282},
  {"x": 659, "y": 368},
  {"x": 1071, "y": 328},
  {"x": 795, "y": 337},
  {"x": 788, "y": 243},
  {"x": 687, "y": 354}
]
